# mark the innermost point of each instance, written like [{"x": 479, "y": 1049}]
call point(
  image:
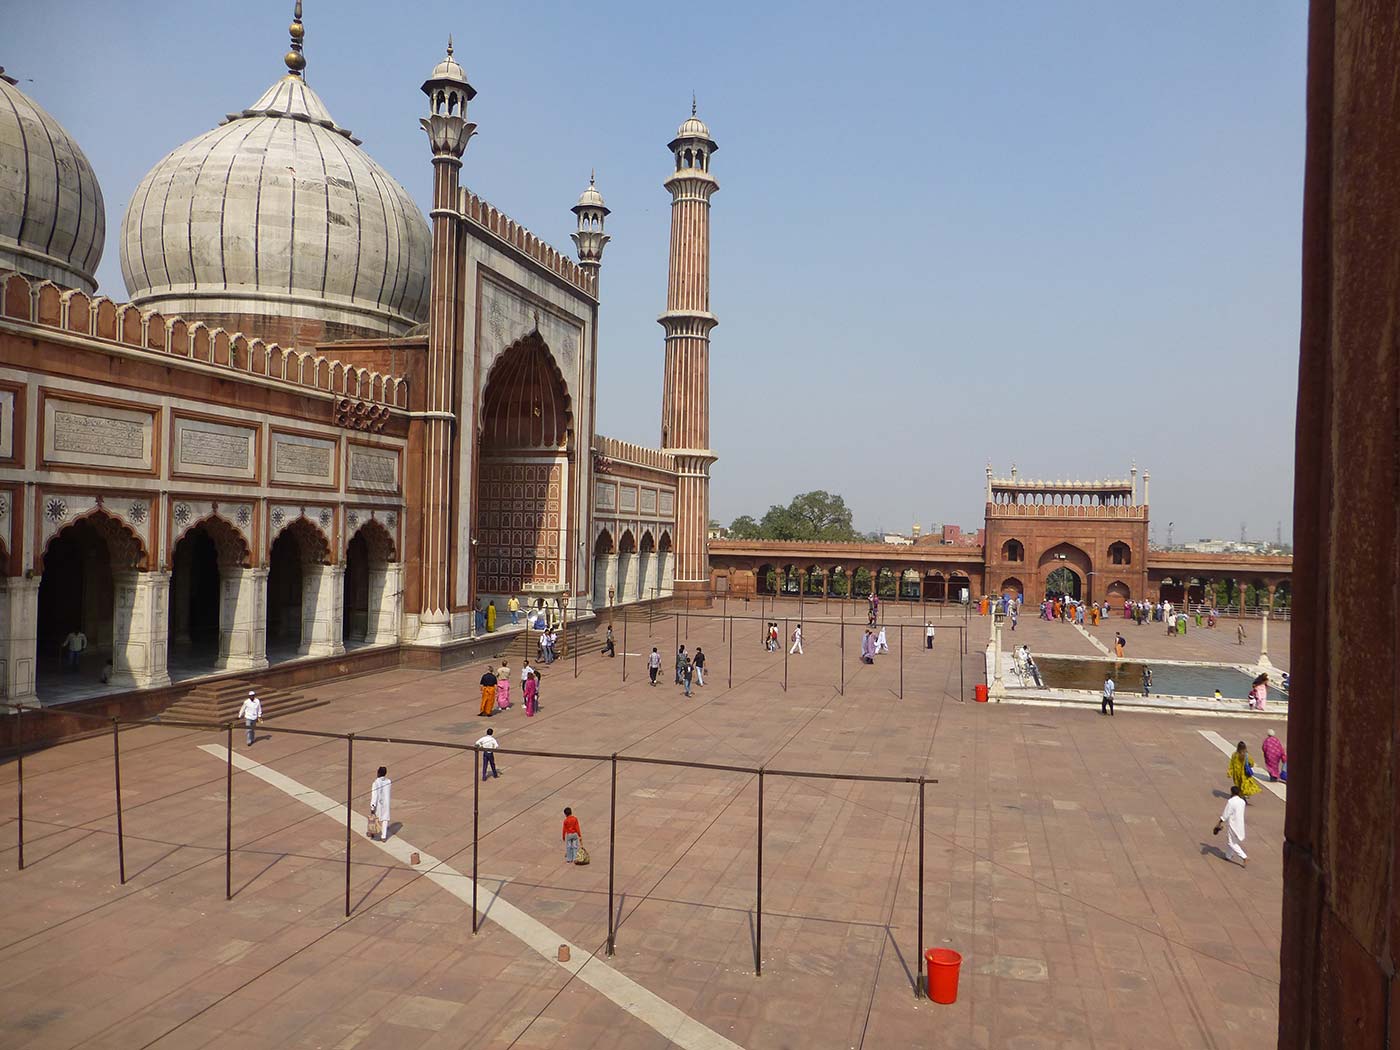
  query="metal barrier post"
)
[
  {"x": 349, "y": 804},
  {"x": 19, "y": 737},
  {"x": 901, "y": 661},
  {"x": 758, "y": 928},
  {"x": 731, "y": 654},
  {"x": 476, "y": 820},
  {"x": 785, "y": 652},
  {"x": 919, "y": 959},
  {"x": 117, "y": 770},
  {"x": 843, "y": 653},
  {"x": 612, "y": 855},
  {"x": 962, "y": 697},
  {"x": 624, "y": 645},
  {"x": 228, "y": 818}
]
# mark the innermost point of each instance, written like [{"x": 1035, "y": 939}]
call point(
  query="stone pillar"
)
[
  {"x": 19, "y": 638},
  {"x": 1341, "y": 895},
  {"x": 644, "y": 585},
  {"x": 140, "y": 629},
  {"x": 385, "y": 603},
  {"x": 668, "y": 574},
  {"x": 242, "y": 619},
  {"x": 180, "y": 595},
  {"x": 1264, "y": 640},
  {"x": 322, "y": 608},
  {"x": 624, "y": 577}
]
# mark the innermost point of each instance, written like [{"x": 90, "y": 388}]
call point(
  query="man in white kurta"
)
[
  {"x": 882, "y": 644},
  {"x": 379, "y": 801},
  {"x": 1232, "y": 820},
  {"x": 251, "y": 713}
]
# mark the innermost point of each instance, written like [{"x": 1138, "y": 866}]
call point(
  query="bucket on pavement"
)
[
  {"x": 943, "y": 967},
  {"x": 979, "y": 692}
]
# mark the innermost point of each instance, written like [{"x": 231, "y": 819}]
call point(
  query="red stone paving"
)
[{"x": 1068, "y": 857}]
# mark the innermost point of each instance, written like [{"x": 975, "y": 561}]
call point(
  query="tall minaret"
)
[
  {"x": 590, "y": 239},
  {"x": 448, "y": 131},
  {"x": 685, "y": 407}
]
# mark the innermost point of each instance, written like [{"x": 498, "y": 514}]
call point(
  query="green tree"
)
[
  {"x": 811, "y": 516},
  {"x": 744, "y": 528}
]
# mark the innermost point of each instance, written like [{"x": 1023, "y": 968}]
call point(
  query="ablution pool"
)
[{"x": 1167, "y": 679}]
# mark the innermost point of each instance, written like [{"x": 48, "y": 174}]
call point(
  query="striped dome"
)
[
  {"x": 52, "y": 220},
  {"x": 278, "y": 211}
]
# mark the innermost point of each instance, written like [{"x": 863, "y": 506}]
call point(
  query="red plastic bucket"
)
[
  {"x": 979, "y": 692},
  {"x": 943, "y": 967}
]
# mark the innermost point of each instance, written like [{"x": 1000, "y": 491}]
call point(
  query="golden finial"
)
[
  {"x": 592, "y": 175},
  {"x": 692, "y": 103},
  {"x": 449, "y": 45},
  {"x": 296, "y": 61}
]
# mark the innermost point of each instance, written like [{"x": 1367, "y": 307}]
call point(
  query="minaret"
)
[
  {"x": 590, "y": 238},
  {"x": 448, "y": 132},
  {"x": 685, "y": 407}
]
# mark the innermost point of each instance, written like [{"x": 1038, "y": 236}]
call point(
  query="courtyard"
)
[{"x": 1068, "y": 857}]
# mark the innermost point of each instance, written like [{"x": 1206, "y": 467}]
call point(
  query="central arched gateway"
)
[
  {"x": 1077, "y": 581},
  {"x": 526, "y": 441}
]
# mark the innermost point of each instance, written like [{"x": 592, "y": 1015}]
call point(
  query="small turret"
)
[{"x": 590, "y": 238}]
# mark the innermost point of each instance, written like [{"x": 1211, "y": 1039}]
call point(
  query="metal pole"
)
[
  {"x": 901, "y": 661},
  {"x": 19, "y": 739},
  {"x": 731, "y": 655},
  {"x": 228, "y": 818},
  {"x": 624, "y": 645},
  {"x": 677, "y": 647},
  {"x": 785, "y": 652},
  {"x": 758, "y": 928},
  {"x": 843, "y": 652},
  {"x": 962, "y": 697},
  {"x": 575, "y": 648},
  {"x": 476, "y": 820},
  {"x": 919, "y": 959},
  {"x": 349, "y": 803},
  {"x": 612, "y": 855},
  {"x": 117, "y": 770}
]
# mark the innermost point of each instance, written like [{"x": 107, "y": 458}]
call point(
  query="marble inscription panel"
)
[
  {"x": 97, "y": 435},
  {"x": 372, "y": 468},
  {"x": 7, "y": 424},
  {"x": 215, "y": 450},
  {"x": 302, "y": 460}
]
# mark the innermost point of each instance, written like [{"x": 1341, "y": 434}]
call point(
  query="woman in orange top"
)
[{"x": 573, "y": 837}]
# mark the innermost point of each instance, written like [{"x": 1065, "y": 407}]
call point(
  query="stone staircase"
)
[{"x": 219, "y": 702}]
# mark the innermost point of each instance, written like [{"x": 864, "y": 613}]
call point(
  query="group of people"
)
[
  {"x": 495, "y": 689},
  {"x": 690, "y": 668},
  {"x": 1244, "y": 786}
]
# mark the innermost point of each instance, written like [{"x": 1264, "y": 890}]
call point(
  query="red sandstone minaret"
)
[
  {"x": 685, "y": 408},
  {"x": 448, "y": 131}
]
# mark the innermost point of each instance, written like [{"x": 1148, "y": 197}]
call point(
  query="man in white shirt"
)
[
  {"x": 251, "y": 713},
  {"x": 1106, "y": 707},
  {"x": 928, "y": 635},
  {"x": 379, "y": 793},
  {"x": 1232, "y": 820},
  {"x": 796, "y": 640},
  {"x": 73, "y": 647},
  {"x": 882, "y": 644},
  {"x": 488, "y": 745}
]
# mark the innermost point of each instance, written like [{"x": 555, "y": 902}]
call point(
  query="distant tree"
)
[
  {"x": 820, "y": 515},
  {"x": 744, "y": 528}
]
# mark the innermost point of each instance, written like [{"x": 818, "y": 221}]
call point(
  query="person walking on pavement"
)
[
  {"x": 699, "y": 663},
  {"x": 573, "y": 836},
  {"x": 514, "y": 606},
  {"x": 488, "y": 745},
  {"x": 379, "y": 793},
  {"x": 653, "y": 664},
  {"x": 1106, "y": 707},
  {"x": 796, "y": 640},
  {"x": 1146, "y": 680},
  {"x": 488, "y": 693},
  {"x": 687, "y": 674},
  {"x": 251, "y": 713},
  {"x": 1232, "y": 820},
  {"x": 609, "y": 649},
  {"x": 73, "y": 647},
  {"x": 928, "y": 635},
  {"x": 681, "y": 661}
]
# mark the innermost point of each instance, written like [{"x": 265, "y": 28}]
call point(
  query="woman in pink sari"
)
[
  {"x": 1259, "y": 692},
  {"x": 1274, "y": 755},
  {"x": 503, "y": 686},
  {"x": 531, "y": 689}
]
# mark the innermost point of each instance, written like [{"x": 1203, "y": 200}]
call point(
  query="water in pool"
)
[{"x": 1167, "y": 679}]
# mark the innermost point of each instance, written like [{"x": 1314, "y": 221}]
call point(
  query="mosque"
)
[{"x": 321, "y": 427}]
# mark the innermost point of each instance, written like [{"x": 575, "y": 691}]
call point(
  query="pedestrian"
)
[
  {"x": 1015, "y": 616},
  {"x": 1242, "y": 772},
  {"x": 1119, "y": 644},
  {"x": 688, "y": 674},
  {"x": 531, "y": 692},
  {"x": 73, "y": 647},
  {"x": 882, "y": 644},
  {"x": 928, "y": 635},
  {"x": 699, "y": 663},
  {"x": 488, "y": 693},
  {"x": 867, "y": 647},
  {"x": 514, "y": 608},
  {"x": 379, "y": 793},
  {"x": 1146, "y": 680},
  {"x": 487, "y": 746},
  {"x": 1259, "y": 692},
  {"x": 1275, "y": 757},
  {"x": 1232, "y": 820},
  {"x": 1239, "y": 634},
  {"x": 491, "y": 615},
  {"x": 609, "y": 649},
  {"x": 653, "y": 664},
  {"x": 573, "y": 836},
  {"x": 681, "y": 661},
  {"x": 1106, "y": 706},
  {"x": 503, "y": 686},
  {"x": 251, "y": 713},
  {"x": 796, "y": 640}
]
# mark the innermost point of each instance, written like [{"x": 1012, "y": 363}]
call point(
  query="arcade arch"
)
[
  {"x": 604, "y": 571},
  {"x": 372, "y": 587},
  {"x": 208, "y": 565},
  {"x": 626, "y": 562},
  {"x": 646, "y": 566},
  {"x": 304, "y": 595}
]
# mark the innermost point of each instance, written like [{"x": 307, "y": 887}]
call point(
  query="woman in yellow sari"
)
[{"x": 1242, "y": 772}]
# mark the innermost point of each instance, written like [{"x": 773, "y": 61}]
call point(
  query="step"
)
[{"x": 219, "y": 702}]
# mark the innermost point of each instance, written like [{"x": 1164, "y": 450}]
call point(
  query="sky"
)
[{"x": 1065, "y": 236}]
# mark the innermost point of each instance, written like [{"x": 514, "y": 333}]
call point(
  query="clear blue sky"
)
[{"x": 1061, "y": 234}]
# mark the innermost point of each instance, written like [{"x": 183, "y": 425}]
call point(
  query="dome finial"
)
[
  {"x": 592, "y": 176},
  {"x": 449, "y": 45},
  {"x": 296, "y": 61},
  {"x": 692, "y": 103}
]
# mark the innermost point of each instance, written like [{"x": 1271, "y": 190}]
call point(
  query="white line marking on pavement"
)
[
  {"x": 672, "y": 1023},
  {"x": 1279, "y": 788},
  {"x": 1094, "y": 641}
]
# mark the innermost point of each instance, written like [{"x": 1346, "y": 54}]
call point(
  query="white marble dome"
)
[
  {"x": 52, "y": 220},
  {"x": 278, "y": 212}
]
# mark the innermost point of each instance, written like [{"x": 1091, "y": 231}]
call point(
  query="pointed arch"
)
[
  {"x": 313, "y": 545},
  {"x": 525, "y": 401},
  {"x": 378, "y": 539},
  {"x": 126, "y": 548}
]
